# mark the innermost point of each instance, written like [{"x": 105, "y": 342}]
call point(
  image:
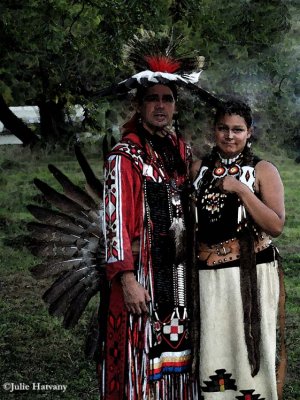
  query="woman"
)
[{"x": 239, "y": 205}]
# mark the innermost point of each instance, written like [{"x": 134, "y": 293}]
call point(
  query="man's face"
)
[{"x": 157, "y": 108}]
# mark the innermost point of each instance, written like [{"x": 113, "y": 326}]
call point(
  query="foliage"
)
[
  {"x": 252, "y": 52},
  {"x": 57, "y": 53},
  {"x": 65, "y": 48}
]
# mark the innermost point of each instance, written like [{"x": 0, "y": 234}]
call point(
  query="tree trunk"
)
[
  {"x": 52, "y": 122},
  {"x": 15, "y": 125}
]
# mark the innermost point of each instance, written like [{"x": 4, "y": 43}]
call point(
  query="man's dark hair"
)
[
  {"x": 142, "y": 90},
  {"x": 234, "y": 107}
]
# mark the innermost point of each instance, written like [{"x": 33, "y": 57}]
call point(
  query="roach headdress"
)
[{"x": 157, "y": 59}]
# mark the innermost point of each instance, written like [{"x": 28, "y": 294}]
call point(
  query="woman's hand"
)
[
  {"x": 267, "y": 210},
  {"x": 229, "y": 184},
  {"x": 135, "y": 295}
]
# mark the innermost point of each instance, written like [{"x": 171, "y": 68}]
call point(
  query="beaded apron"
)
[{"x": 169, "y": 351}]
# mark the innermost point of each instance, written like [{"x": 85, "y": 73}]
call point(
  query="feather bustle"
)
[
  {"x": 71, "y": 242},
  {"x": 43, "y": 232},
  {"x": 60, "y": 306},
  {"x": 64, "y": 283},
  {"x": 57, "y": 199}
]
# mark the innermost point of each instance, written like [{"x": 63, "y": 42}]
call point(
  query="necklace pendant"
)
[
  {"x": 229, "y": 161},
  {"x": 174, "y": 185},
  {"x": 175, "y": 199},
  {"x": 234, "y": 170},
  {"x": 219, "y": 172}
]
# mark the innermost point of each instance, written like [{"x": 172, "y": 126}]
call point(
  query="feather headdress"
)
[{"x": 159, "y": 59}]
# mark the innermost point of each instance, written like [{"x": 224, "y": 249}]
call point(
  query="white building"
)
[{"x": 31, "y": 115}]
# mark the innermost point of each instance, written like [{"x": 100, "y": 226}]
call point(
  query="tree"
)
[
  {"x": 251, "y": 52},
  {"x": 57, "y": 52}
]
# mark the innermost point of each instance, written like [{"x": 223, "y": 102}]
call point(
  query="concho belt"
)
[{"x": 228, "y": 250}]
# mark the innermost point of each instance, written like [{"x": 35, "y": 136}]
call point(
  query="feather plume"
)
[
  {"x": 43, "y": 232},
  {"x": 55, "y": 218},
  {"x": 178, "y": 233},
  {"x": 93, "y": 184},
  {"x": 204, "y": 95},
  {"x": 53, "y": 268},
  {"x": 72, "y": 191},
  {"x": 160, "y": 52},
  {"x": 92, "y": 336}
]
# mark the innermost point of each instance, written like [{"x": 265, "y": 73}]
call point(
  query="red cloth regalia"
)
[{"x": 144, "y": 355}]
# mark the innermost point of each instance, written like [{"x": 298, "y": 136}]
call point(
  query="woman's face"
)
[{"x": 231, "y": 134}]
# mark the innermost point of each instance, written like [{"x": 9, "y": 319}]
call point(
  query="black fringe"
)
[
  {"x": 281, "y": 365},
  {"x": 193, "y": 293},
  {"x": 249, "y": 292}
]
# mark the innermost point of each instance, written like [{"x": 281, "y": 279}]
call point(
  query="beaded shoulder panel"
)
[{"x": 131, "y": 150}]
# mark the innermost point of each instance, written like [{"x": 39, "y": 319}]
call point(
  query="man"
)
[{"x": 148, "y": 352}]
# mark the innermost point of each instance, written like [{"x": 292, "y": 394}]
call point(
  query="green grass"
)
[
  {"x": 33, "y": 346},
  {"x": 289, "y": 246}
]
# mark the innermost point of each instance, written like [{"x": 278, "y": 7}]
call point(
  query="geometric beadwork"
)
[
  {"x": 219, "y": 382},
  {"x": 248, "y": 395},
  {"x": 173, "y": 329}
]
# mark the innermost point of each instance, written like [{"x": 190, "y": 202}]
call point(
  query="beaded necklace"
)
[
  {"x": 165, "y": 161},
  {"x": 227, "y": 166}
]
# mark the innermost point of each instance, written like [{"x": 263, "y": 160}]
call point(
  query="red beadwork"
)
[
  {"x": 159, "y": 338},
  {"x": 219, "y": 171},
  {"x": 157, "y": 326},
  {"x": 234, "y": 170}
]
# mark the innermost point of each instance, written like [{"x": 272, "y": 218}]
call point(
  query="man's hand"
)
[{"x": 135, "y": 295}]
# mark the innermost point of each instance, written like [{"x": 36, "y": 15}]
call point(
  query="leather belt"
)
[{"x": 228, "y": 250}]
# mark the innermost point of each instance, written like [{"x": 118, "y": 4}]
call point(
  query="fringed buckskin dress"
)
[{"x": 239, "y": 289}]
